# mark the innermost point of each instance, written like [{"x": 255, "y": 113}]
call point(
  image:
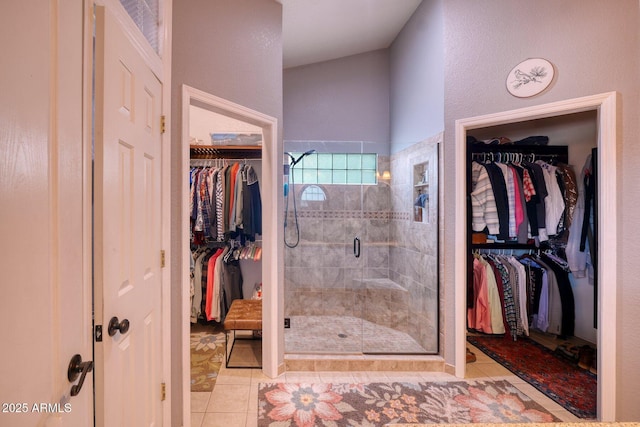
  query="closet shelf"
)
[{"x": 225, "y": 151}]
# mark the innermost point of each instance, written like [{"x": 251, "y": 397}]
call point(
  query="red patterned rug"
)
[
  {"x": 376, "y": 404},
  {"x": 574, "y": 388}
]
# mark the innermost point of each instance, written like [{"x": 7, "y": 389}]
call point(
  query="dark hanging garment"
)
[
  {"x": 231, "y": 286},
  {"x": 589, "y": 192},
  {"x": 252, "y": 205},
  {"x": 566, "y": 297},
  {"x": 561, "y": 185},
  {"x": 535, "y": 277},
  {"x": 541, "y": 191},
  {"x": 523, "y": 228},
  {"x": 502, "y": 199}
]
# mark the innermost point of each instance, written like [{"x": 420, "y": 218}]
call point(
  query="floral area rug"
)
[
  {"x": 207, "y": 356},
  {"x": 573, "y": 388},
  {"x": 376, "y": 404}
]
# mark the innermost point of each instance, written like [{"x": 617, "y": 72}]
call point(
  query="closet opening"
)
[
  {"x": 576, "y": 131},
  {"x": 229, "y": 234}
]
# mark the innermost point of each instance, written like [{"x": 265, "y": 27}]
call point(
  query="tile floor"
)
[{"x": 234, "y": 400}]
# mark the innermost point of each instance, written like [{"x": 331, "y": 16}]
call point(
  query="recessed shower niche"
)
[{"x": 421, "y": 192}]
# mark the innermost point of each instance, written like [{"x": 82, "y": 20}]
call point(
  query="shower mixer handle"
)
[{"x": 356, "y": 247}]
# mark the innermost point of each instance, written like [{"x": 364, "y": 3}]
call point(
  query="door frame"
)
[
  {"x": 606, "y": 106},
  {"x": 272, "y": 250}
]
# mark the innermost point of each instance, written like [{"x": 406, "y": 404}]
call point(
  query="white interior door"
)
[
  {"x": 46, "y": 307},
  {"x": 127, "y": 231}
]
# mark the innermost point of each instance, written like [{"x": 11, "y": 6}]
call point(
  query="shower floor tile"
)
[{"x": 345, "y": 335}]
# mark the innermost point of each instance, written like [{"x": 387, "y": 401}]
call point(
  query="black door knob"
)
[
  {"x": 115, "y": 326},
  {"x": 78, "y": 368}
]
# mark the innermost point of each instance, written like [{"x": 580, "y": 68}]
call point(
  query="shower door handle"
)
[{"x": 356, "y": 247}]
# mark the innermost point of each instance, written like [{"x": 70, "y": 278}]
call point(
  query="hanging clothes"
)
[
  {"x": 519, "y": 201},
  {"x": 478, "y": 316},
  {"x": 554, "y": 203},
  {"x": 578, "y": 257},
  {"x": 531, "y": 292},
  {"x": 217, "y": 279},
  {"x": 224, "y": 203},
  {"x": 483, "y": 202},
  {"x": 567, "y": 303}
]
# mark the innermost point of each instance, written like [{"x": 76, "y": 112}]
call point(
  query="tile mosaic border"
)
[{"x": 356, "y": 214}]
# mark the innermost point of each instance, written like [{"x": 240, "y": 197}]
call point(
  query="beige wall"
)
[
  {"x": 595, "y": 49},
  {"x": 345, "y": 99},
  {"x": 417, "y": 80},
  {"x": 231, "y": 49}
]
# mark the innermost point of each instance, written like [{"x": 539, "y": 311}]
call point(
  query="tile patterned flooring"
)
[{"x": 234, "y": 400}]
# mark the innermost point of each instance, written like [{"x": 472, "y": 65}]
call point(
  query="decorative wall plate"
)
[{"x": 530, "y": 77}]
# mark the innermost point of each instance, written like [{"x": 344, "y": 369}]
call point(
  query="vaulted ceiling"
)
[{"x": 321, "y": 30}]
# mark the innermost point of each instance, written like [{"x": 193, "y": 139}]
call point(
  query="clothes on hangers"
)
[
  {"x": 512, "y": 295},
  {"x": 478, "y": 315},
  {"x": 483, "y": 202},
  {"x": 578, "y": 256},
  {"x": 519, "y": 200},
  {"x": 555, "y": 202},
  {"x": 217, "y": 279},
  {"x": 225, "y": 202}
]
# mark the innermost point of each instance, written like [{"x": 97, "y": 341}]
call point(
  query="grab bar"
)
[{"x": 356, "y": 247}]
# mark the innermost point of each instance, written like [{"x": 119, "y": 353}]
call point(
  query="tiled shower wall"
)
[
  {"x": 394, "y": 281},
  {"x": 413, "y": 246}
]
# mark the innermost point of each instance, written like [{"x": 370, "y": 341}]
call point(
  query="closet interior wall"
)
[{"x": 571, "y": 139}]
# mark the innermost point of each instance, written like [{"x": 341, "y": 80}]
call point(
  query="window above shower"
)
[
  {"x": 337, "y": 168},
  {"x": 313, "y": 193}
]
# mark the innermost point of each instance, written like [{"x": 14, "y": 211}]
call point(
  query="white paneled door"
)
[
  {"x": 45, "y": 309},
  {"x": 127, "y": 231}
]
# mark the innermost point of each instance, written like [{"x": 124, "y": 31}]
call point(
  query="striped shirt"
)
[{"x": 483, "y": 203}]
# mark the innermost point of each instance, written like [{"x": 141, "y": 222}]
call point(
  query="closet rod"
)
[
  {"x": 514, "y": 156},
  {"x": 217, "y": 161},
  {"x": 225, "y": 151},
  {"x": 519, "y": 153}
]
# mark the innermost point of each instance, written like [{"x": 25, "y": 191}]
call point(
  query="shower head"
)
[{"x": 295, "y": 161}]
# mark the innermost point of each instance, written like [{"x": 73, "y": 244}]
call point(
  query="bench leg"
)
[{"x": 229, "y": 352}]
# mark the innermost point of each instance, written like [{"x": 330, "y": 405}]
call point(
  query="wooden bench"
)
[{"x": 243, "y": 315}]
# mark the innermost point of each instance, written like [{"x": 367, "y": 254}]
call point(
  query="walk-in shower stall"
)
[{"x": 361, "y": 248}]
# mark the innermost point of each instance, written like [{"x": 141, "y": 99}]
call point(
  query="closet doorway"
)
[
  {"x": 605, "y": 107},
  {"x": 271, "y": 269}
]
